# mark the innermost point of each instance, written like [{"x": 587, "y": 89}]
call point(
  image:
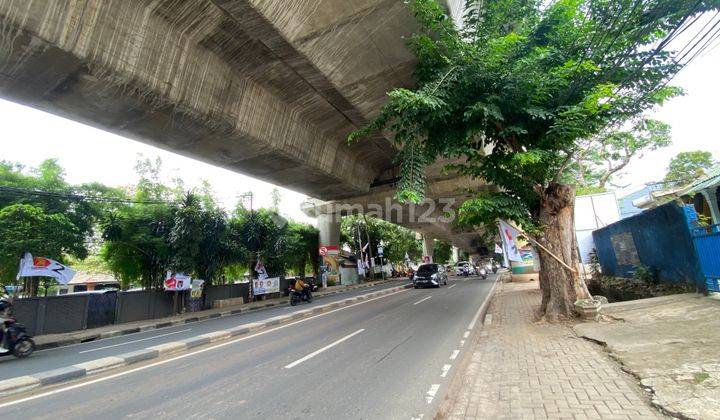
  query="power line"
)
[{"x": 77, "y": 197}]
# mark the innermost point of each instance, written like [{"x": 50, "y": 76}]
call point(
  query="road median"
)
[{"x": 24, "y": 383}]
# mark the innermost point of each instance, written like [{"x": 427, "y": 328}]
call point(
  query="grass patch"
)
[{"x": 701, "y": 376}]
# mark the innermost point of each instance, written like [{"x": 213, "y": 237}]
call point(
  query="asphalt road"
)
[
  {"x": 49, "y": 359},
  {"x": 391, "y": 357}
]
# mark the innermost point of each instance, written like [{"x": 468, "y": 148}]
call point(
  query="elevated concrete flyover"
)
[
  {"x": 270, "y": 88},
  {"x": 434, "y": 218}
]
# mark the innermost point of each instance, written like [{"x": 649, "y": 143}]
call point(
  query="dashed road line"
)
[
  {"x": 467, "y": 334},
  {"x": 454, "y": 354},
  {"x": 445, "y": 370},
  {"x": 422, "y": 300},
  {"x": 431, "y": 393},
  {"x": 329, "y": 346},
  {"x": 462, "y": 343},
  {"x": 450, "y": 287}
]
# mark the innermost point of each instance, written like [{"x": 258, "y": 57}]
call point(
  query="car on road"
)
[
  {"x": 430, "y": 275},
  {"x": 462, "y": 264}
]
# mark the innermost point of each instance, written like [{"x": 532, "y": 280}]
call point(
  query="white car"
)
[{"x": 460, "y": 266}]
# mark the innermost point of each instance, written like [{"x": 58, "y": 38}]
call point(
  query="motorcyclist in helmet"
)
[{"x": 5, "y": 308}]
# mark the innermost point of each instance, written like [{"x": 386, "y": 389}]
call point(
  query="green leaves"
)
[{"x": 533, "y": 80}]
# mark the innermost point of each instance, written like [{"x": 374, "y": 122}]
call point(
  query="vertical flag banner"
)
[
  {"x": 509, "y": 236},
  {"x": 260, "y": 270}
]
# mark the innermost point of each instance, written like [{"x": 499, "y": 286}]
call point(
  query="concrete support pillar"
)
[
  {"x": 455, "y": 254},
  {"x": 712, "y": 200},
  {"x": 329, "y": 227},
  {"x": 329, "y": 236},
  {"x": 428, "y": 246}
]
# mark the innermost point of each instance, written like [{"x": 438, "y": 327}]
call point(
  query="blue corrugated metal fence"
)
[{"x": 707, "y": 244}]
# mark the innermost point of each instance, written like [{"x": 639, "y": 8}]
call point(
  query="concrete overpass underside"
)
[{"x": 269, "y": 88}]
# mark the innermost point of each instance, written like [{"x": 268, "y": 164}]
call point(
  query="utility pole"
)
[{"x": 370, "y": 253}]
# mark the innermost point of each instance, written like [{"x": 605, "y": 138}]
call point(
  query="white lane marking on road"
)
[
  {"x": 454, "y": 354},
  {"x": 422, "y": 300},
  {"x": 445, "y": 370},
  {"x": 475, "y": 318},
  {"x": 329, "y": 346},
  {"x": 467, "y": 334},
  {"x": 369, "y": 289},
  {"x": 462, "y": 343},
  {"x": 134, "y": 341},
  {"x": 450, "y": 287},
  {"x": 432, "y": 392},
  {"x": 182, "y": 356}
]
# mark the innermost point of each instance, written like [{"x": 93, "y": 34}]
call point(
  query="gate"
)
[
  {"x": 707, "y": 244},
  {"x": 101, "y": 309}
]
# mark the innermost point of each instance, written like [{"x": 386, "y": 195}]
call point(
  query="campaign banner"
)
[
  {"x": 176, "y": 282},
  {"x": 266, "y": 285},
  {"x": 44, "y": 267},
  {"x": 509, "y": 235},
  {"x": 197, "y": 288}
]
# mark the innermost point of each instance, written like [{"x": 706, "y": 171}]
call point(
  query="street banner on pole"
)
[
  {"x": 44, "y": 267},
  {"x": 260, "y": 270},
  {"x": 176, "y": 282},
  {"x": 266, "y": 285},
  {"x": 509, "y": 236}
]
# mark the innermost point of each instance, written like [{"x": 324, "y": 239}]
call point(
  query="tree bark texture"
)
[{"x": 560, "y": 287}]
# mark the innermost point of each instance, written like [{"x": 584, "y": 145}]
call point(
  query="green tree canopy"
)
[
  {"x": 687, "y": 167},
  {"x": 512, "y": 93},
  {"x": 595, "y": 161}
]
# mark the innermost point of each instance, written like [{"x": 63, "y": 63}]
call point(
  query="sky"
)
[{"x": 88, "y": 154}]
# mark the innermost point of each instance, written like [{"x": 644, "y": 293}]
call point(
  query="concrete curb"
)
[
  {"x": 164, "y": 324},
  {"x": 457, "y": 382},
  {"x": 617, "y": 307},
  {"x": 55, "y": 376}
]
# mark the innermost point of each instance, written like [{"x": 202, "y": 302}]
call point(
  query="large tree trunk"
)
[{"x": 560, "y": 286}]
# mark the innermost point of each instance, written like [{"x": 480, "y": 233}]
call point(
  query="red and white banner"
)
[
  {"x": 44, "y": 267},
  {"x": 176, "y": 282}
]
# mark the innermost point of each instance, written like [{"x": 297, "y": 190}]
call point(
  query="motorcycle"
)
[
  {"x": 483, "y": 273},
  {"x": 300, "y": 296},
  {"x": 19, "y": 343},
  {"x": 465, "y": 271}
]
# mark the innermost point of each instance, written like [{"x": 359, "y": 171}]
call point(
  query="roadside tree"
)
[
  {"x": 687, "y": 167},
  {"x": 512, "y": 93}
]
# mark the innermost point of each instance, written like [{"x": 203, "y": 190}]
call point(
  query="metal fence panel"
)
[{"x": 707, "y": 244}]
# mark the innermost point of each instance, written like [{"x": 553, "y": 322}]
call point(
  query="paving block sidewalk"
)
[{"x": 521, "y": 369}]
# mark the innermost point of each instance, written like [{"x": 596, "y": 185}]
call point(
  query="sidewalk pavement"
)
[
  {"x": 521, "y": 369},
  {"x": 671, "y": 343},
  {"x": 64, "y": 339}
]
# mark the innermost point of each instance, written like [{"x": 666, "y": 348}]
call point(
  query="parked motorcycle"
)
[{"x": 19, "y": 343}]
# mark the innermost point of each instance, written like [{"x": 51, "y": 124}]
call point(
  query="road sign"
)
[
  {"x": 328, "y": 250},
  {"x": 380, "y": 251}
]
